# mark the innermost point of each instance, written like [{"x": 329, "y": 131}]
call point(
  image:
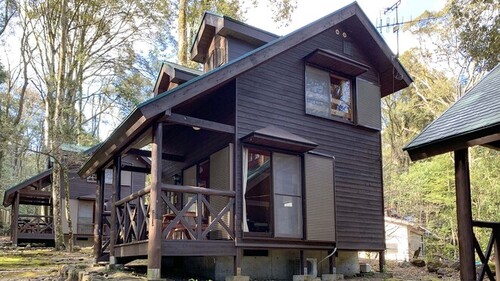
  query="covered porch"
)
[
  {"x": 184, "y": 211},
  {"x": 188, "y": 205},
  {"x": 38, "y": 226}
]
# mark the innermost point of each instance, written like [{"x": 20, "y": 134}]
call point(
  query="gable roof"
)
[
  {"x": 140, "y": 120},
  {"x": 44, "y": 177},
  {"x": 472, "y": 120},
  {"x": 173, "y": 73},
  {"x": 213, "y": 24}
]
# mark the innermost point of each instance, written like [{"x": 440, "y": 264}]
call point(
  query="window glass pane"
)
[
  {"x": 288, "y": 216},
  {"x": 317, "y": 92},
  {"x": 287, "y": 174},
  {"x": 126, "y": 178},
  {"x": 108, "y": 179},
  {"x": 258, "y": 191},
  {"x": 189, "y": 178},
  {"x": 85, "y": 217},
  {"x": 341, "y": 97}
]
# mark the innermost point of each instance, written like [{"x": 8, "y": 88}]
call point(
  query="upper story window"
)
[{"x": 328, "y": 95}]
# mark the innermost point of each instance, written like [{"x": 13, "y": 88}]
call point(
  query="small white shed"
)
[{"x": 404, "y": 239}]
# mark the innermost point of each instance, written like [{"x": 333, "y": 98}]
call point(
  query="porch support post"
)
[
  {"x": 117, "y": 182},
  {"x": 381, "y": 261},
  {"x": 115, "y": 193},
  {"x": 154, "y": 242},
  {"x": 331, "y": 263},
  {"x": 14, "y": 219},
  {"x": 99, "y": 212},
  {"x": 237, "y": 262},
  {"x": 464, "y": 216},
  {"x": 303, "y": 263}
]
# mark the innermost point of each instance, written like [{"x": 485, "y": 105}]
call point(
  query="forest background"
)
[{"x": 79, "y": 64}]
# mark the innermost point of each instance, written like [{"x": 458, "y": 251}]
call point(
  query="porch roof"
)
[
  {"x": 39, "y": 181},
  {"x": 473, "y": 120},
  {"x": 138, "y": 123}
]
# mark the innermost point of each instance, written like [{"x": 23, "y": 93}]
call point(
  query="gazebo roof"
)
[
  {"x": 30, "y": 196},
  {"x": 473, "y": 120}
]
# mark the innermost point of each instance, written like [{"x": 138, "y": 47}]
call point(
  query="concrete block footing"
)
[
  {"x": 238, "y": 278},
  {"x": 332, "y": 277},
  {"x": 305, "y": 278}
]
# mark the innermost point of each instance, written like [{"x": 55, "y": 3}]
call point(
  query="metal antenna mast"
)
[{"x": 395, "y": 25}]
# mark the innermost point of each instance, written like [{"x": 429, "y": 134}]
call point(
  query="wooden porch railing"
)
[
  {"x": 186, "y": 224},
  {"x": 132, "y": 214},
  {"x": 106, "y": 221},
  {"x": 35, "y": 224},
  {"x": 485, "y": 257}
]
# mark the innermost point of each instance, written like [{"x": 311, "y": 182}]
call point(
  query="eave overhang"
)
[
  {"x": 488, "y": 136},
  {"x": 393, "y": 76},
  {"x": 278, "y": 138},
  {"x": 173, "y": 73},
  {"x": 331, "y": 60}
]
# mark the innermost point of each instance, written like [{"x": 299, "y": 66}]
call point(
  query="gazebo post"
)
[
  {"x": 464, "y": 216},
  {"x": 154, "y": 241},
  {"x": 497, "y": 252},
  {"x": 99, "y": 210},
  {"x": 14, "y": 219},
  {"x": 115, "y": 196}
]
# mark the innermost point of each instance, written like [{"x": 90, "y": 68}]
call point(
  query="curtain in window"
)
[{"x": 245, "y": 177}]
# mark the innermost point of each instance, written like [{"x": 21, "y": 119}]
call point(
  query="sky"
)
[{"x": 308, "y": 11}]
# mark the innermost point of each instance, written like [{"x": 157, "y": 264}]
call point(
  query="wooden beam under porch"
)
[{"x": 179, "y": 248}]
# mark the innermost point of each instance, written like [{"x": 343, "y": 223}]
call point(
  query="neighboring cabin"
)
[
  {"x": 264, "y": 164},
  {"x": 404, "y": 239},
  {"x": 37, "y": 226}
]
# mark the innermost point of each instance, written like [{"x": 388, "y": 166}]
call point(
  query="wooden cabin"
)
[
  {"x": 267, "y": 164},
  {"x": 31, "y": 200}
]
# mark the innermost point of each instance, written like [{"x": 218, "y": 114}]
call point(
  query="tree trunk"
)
[
  {"x": 57, "y": 129},
  {"x": 68, "y": 210},
  {"x": 182, "y": 32},
  {"x": 56, "y": 207}
]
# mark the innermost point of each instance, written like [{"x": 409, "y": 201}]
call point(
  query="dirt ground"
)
[{"x": 43, "y": 264}]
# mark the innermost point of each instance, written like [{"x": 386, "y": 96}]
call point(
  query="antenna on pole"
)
[{"x": 395, "y": 25}]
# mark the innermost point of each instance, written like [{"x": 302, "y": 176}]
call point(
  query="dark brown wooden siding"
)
[
  {"x": 81, "y": 188},
  {"x": 237, "y": 48},
  {"x": 273, "y": 94}
]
